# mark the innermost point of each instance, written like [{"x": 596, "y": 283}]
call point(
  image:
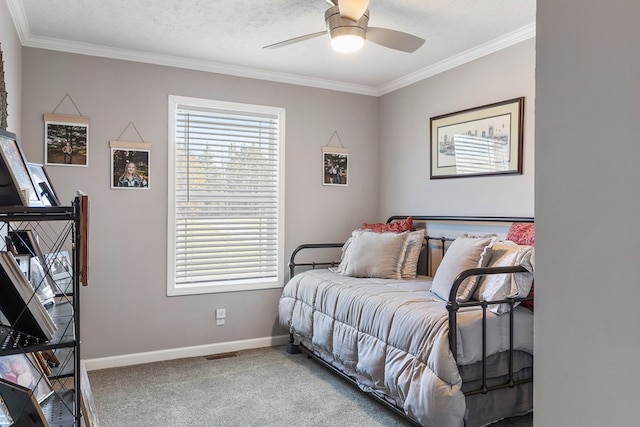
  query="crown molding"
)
[
  {"x": 19, "y": 17},
  {"x": 510, "y": 39},
  {"x": 192, "y": 64},
  {"x": 24, "y": 33}
]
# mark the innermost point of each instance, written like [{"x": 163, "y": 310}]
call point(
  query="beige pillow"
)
[
  {"x": 500, "y": 286},
  {"x": 464, "y": 253},
  {"x": 414, "y": 246},
  {"x": 371, "y": 254}
]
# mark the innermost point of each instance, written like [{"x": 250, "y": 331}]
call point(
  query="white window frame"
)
[{"x": 221, "y": 286}]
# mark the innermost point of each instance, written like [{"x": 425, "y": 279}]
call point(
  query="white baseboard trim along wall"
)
[{"x": 180, "y": 353}]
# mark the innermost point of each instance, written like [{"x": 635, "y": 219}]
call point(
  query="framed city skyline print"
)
[{"x": 479, "y": 141}]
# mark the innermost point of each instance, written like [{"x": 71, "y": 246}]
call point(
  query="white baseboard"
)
[{"x": 179, "y": 353}]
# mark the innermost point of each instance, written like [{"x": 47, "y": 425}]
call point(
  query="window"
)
[{"x": 226, "y": 196}]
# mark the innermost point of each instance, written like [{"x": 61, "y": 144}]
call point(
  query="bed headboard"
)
[{"x": 442, "y": 230}]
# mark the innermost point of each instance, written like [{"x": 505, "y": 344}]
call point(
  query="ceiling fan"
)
[{"x": 347, "y": 25}]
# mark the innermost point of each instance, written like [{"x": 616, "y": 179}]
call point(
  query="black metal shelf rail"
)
[{"x": 58, "y": 229}]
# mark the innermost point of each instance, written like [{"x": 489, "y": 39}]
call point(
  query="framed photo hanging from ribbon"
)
[{"x": 335, "y": 163}]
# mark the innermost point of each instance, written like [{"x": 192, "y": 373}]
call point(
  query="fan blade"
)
[
  {"x": 295, "y": 40},
  {"x": 352, "y": 9},
  {"x": 394, "y": 39}
]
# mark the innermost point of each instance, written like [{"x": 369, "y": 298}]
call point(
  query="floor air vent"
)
[{"x": 221, "y": 356}]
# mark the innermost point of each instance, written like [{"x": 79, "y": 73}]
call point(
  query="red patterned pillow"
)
[
  {"x": 395, "y": 227},
  {"x": 523, "y": 233}
]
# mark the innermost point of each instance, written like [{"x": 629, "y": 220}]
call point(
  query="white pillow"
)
[
  {"x": 371, "y": 254},
  {"x": 464, "y": 253},
  {"x": 414, "y": 247},
  {"x": 500, "y": 286}
]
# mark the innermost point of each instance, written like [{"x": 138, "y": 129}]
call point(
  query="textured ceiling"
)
[{"x": 228, "y": 36}]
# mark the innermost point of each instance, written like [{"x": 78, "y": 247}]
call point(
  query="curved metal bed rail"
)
[
  {"x": 293, "y": 265},
  {"x": 453, "y": 306}
]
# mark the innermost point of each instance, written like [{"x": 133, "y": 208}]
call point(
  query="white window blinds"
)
[{"x": 227, "y": 203}]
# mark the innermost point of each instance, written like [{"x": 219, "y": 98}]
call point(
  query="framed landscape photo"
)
[
  {"x": 66, "y": 140},
  {"x": 335, "y": 166},
  {"x": 480, "y": 141}
]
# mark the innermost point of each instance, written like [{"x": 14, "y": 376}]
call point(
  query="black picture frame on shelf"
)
[
  {"x": 25, "y": 242},
  {"x": 16, "y": 185},
  {"x": 43, "y": 183},
  {"x": 23, "y": 310},
  {"x": 22, "y": 405}
]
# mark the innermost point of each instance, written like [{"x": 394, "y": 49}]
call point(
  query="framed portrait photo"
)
[
  {"x": 66, "y": 140},
  {"x": 130, "y": 164},
  {"x": 335, "y": 166},
  {"x": 24, "y": 369},
  {"x": 486, "y": 140}
]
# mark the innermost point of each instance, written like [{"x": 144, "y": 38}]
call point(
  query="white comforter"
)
[{"x": 391, "y": 336}]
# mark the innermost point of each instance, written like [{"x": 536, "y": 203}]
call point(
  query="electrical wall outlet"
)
[{"x": 221, "y": 314}]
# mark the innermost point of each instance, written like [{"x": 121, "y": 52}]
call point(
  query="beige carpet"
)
[{"x": 263, "y": 387}]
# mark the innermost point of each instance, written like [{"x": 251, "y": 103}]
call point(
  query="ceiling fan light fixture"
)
[
  {"x": 346, "y": 36},
  {"x": 347, "y": 43},
  {"x": 352, "y": 9}
]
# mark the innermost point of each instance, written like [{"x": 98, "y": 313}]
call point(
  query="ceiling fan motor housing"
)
[{"x": 339, "y": 26}]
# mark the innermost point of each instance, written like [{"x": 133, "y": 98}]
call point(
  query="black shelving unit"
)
[{"x": 58, "y": 231}]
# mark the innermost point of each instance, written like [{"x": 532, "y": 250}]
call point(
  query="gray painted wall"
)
[
  {"x": 585, "y": 341},
  {"x": 587, "y": 200},
  {"x": 405, "y": 187},
  {"x": 12, "y": 56},
  {"x": 125, "y": 309}
]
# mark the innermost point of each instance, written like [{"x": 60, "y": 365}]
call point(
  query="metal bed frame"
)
[{"x": 452, "y": 305}]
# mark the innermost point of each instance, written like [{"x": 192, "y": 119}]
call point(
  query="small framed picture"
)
[
  {"x": 66, "y": 140},
  {"x": 61, "y": 270},
  {"x": 43, "y": 184},
  {"x": 130, "y": 165},
  {"x": 41, "y": 282},
  {"x": 24, "y": 370},
  {"x": 335, "y": 166},
  {"x": 16, "y": 184},
  {"x": 24, "y": 262}
]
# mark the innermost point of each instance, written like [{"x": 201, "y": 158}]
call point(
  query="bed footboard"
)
[{"x": 453, "y": 306}]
